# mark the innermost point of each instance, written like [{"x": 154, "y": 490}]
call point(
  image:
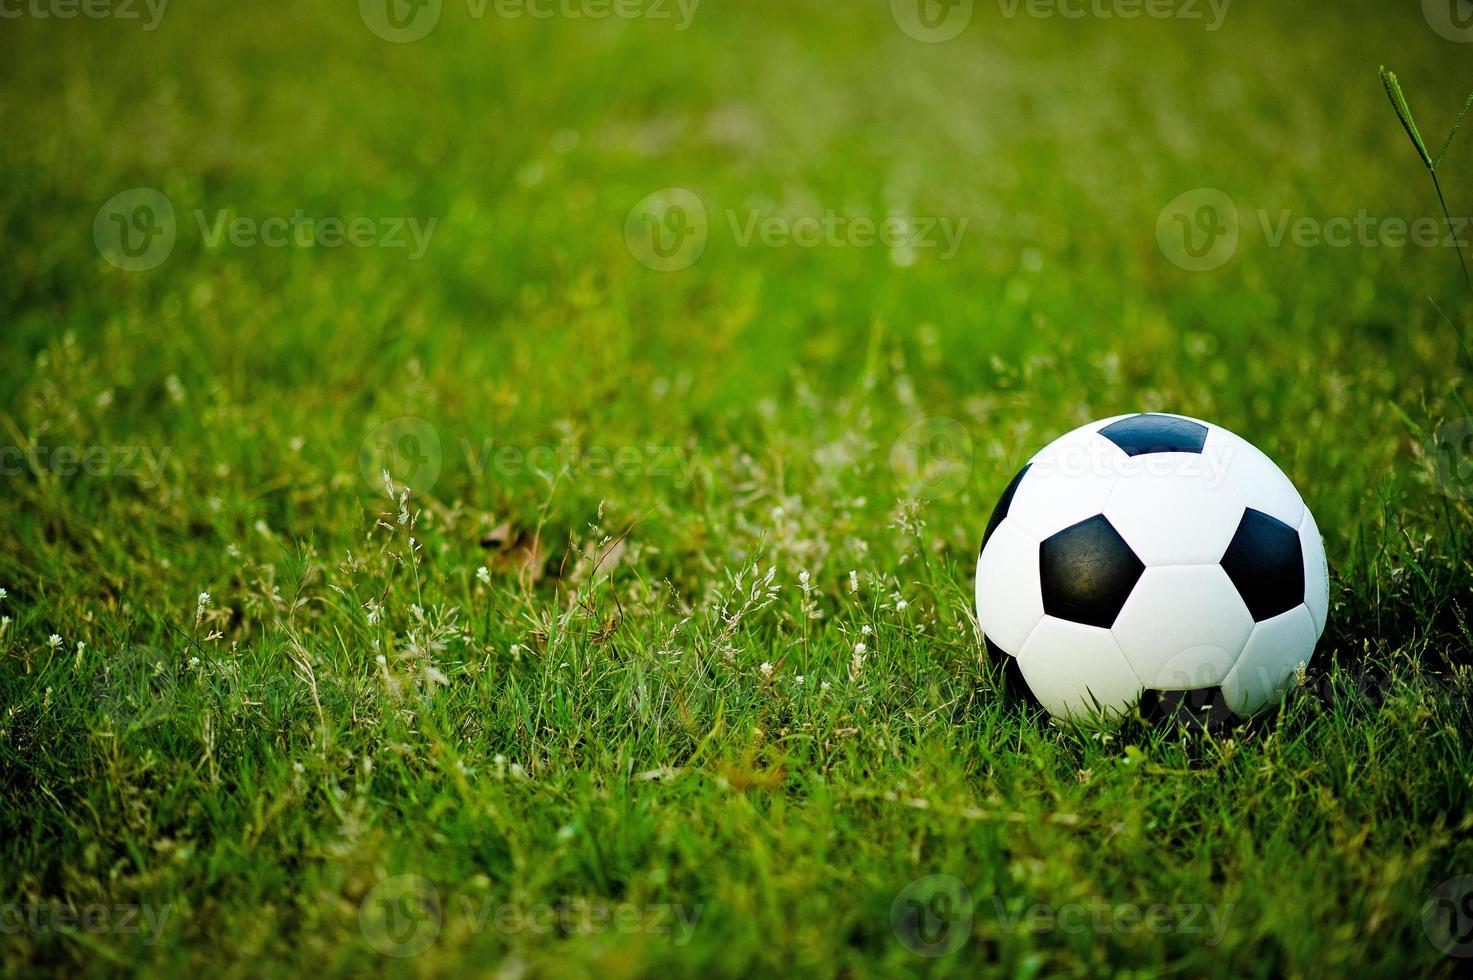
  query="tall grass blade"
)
[
  {"x": 1456, "y": 126},
  {"x": 1404, "y": 113}
]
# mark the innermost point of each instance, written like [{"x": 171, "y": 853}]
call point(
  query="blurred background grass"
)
[
  {"x": 787, "y": 374},
  {"x": 528, "y": 141}
]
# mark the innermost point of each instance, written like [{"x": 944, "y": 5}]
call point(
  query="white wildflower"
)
[
  {"x": 54, "y": 640},
  {"x": 865, "y": 630},
  {"x": 853, "y": 581},
  {"x": 861, "y": 648},
  {"x": 483, "y": 575},
  {"x": 766, "y": 669}
]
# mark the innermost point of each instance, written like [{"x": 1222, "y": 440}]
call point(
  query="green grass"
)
[{"x": 586, "y": 729}]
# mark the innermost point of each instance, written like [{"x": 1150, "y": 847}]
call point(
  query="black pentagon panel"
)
[
  {"x": 1266, "y": 564},
  {"x": 1087, "y": 572},
  {"x": 1142, "y": 434},
  {"x": 1014, "y": 684},
  {"x": 1003, "y": 503}
]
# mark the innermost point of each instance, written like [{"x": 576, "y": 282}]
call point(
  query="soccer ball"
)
[{"x": 1156, "y": 559}]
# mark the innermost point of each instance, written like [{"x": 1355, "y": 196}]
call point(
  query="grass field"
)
[{"x": 666, "y": 663}]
